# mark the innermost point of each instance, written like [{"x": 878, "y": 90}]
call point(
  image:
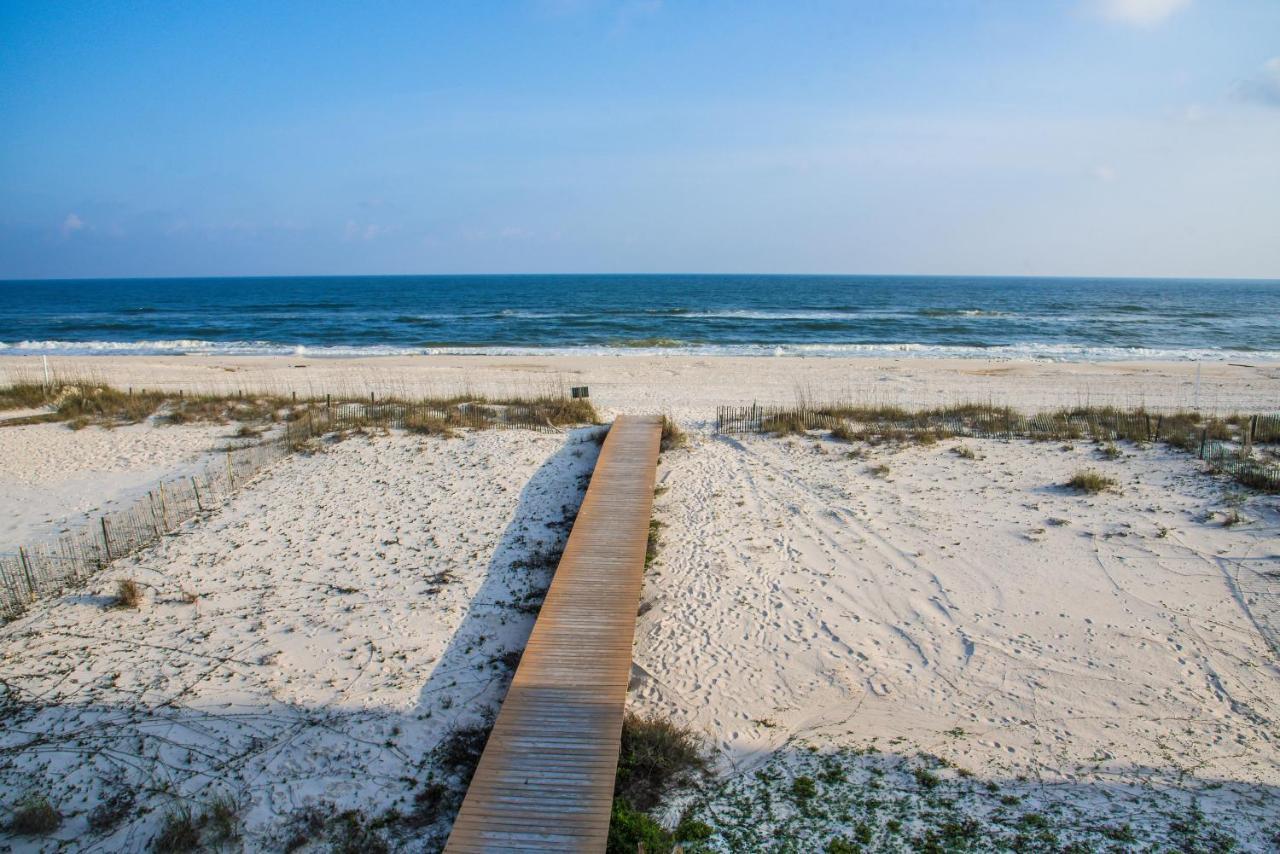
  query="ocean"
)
[{"x": 1059, "y": 319}]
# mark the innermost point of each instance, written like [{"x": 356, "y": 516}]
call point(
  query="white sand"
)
[
  {"x": 691, "y": 387},
  {"x": 799, "y": 600},
  {"x": 53, "y": 476},
  {"x": 351, "y": 609}
]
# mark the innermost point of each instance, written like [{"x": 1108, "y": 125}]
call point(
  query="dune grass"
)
[
  {"x": 128, "y": 593},
  {"x": 1091, "y": 482},
  {"x": 1183, "y": 430},
  {"x": 86, "y": 402},
  {"x": 34, "y": 816},
  {"x": 23, "y": 396},
  {"x": 672, "y": 436},
  {"x": 657, "y": 756}
]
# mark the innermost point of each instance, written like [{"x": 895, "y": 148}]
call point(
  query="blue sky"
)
[{"x": 1078, "y": 137}]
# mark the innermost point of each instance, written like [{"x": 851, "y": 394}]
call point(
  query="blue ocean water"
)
[{"x": 755, "y": 315}]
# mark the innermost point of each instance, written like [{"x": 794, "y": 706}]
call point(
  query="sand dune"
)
[
  {"x": 53, "y": 476},
  {"x": 973, "y": 610},
  {"x": 929, "y": 640},
  {"x": 310, "y": 643}
]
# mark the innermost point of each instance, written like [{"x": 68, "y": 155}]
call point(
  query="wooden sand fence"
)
[
  {"x": 990, "y": 422},
  {"x": 49, "y": 567},
  {"x": 317, "y": 418},
  {"x": 970, "y": 421}
]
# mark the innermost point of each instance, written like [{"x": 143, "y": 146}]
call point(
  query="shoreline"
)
[{"x": 690, "y": 387}]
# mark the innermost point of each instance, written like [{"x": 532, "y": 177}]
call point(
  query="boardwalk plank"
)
[{"x": 545, "y": 779}]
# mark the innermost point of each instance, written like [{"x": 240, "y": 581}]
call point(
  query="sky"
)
[{"x": 970, "y": 137}]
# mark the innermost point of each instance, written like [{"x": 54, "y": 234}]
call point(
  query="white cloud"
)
[
  {"x": 355, "y": 231},
  {"x": 71, "y": 224},
  {"x": 1263, "y": 87},
  {"x": 1142, "y": 13},
  {"x": 1194, "y": 114}
]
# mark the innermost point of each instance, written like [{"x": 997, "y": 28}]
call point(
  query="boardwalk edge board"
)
[{"x": 545, "y": 778}]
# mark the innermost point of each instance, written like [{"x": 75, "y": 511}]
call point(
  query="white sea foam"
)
[{"x": 1028, "y": 350}]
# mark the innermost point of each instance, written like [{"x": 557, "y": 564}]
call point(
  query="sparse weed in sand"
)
[
  {"x": 654, "y": 542},
  {"x": 964, "y": 452},
  {"x": 656, "y": 757},
  {"x": 425, "y": 425},
  {"x": 1090, "y": 481},
  {"x": 128, "y": 593},
  {"x": 855, "y": 800},
  {"x": 672, "y": 436},
  {"x": 114, "y": 808},
  {"x": 183, "y": 830},
  {"x": 880, "y": 470},
  {"x": 845, "y": 433},
  {"x": 34, "y": 816}
]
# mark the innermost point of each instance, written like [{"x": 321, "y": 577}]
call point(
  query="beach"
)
[
  {"x": 944, "y": 618},
  {"x": 691, "y": 387}
]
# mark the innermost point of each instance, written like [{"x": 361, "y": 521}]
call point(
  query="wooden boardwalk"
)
[{"x": 545, "y": 780}]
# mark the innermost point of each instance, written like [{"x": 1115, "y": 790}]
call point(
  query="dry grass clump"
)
[
  {"x": 23, "y": 396},
  {"x": 221, "y": 409},
  {"x": 656, "y": 757},
  {"x": 789, "y": 424},
  {"x": 85, "y": 403},
  {"x": 105, "y": 406},
  {"x": 964, "y": 452},
  {"x": 880, "y": 470},
  {"x": 559, "y": 411},
  {"x": 672, "y": 436},
  {"x": 1091, "y": 482},
  {"x": 654, "y": 541},
  {"x": 845, "y": 432},
  {"x": 34, "y": 816},
  {"x": 427, "y": 425},
  {"x": 183, "y": 831},
  {"x": 128, "y": 593}
]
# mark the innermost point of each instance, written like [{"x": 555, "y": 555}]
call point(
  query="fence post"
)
[
  {"x": 1159, "y": 419},
  {"x": 26, "y": 568},
  {"x": 1204, "y": 435},
  {"x": 155, "y": 522},
  {"x": 231, "y": 477},
  {"x": 106, "y": 542},
  {"x": 164, "y": 509},
  {"x": 196, "y": 490}
]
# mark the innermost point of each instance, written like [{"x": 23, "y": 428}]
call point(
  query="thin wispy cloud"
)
[
  {"x": 71, "y": 225},
  {"x": 1140, "y": 13},
  {"x": 1264, "y": 87}
]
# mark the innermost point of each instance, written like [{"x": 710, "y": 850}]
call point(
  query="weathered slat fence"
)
[
  {"x": 1230, "y": 460},
  {"x": 1235, "y": 459},
  {"x": 48, "y": 567},
  {"x": 318, "y": 418},
  {"x": 51, "y": 566}
]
